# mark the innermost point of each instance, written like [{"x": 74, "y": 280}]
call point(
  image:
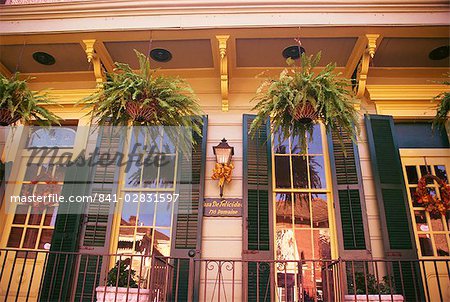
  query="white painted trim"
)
[{"x": 17, "y": 23}]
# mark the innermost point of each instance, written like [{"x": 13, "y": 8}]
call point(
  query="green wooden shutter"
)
[
  {"x": 188, "y": 214},
  {"x": 258, "y": 234},
  {"x": 60, "y": 267},
  {"x": 348, "y": 192},
  {"x": 393, "y": 203},
  {"x": 390, "y": 187},
  {"x": 96, "y": 227}
]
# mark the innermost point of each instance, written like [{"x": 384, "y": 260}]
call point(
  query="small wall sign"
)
[{"x": 222, "y": 207}]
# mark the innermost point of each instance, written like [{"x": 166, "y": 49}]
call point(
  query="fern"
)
[
  {"x": 18, "y": 99},
  {"x": 326, "y": 91},
  {"x": 175, "y": 101},
  {"x": 443, "y": 107}
]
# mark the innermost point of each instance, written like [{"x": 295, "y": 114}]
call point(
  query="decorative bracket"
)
[
  {"x": 93, "y": 58},
  {"x": 363, "y": 67},
  {"x": 223, "y": 70}
]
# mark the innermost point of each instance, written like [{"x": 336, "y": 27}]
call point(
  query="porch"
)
[{"x": 30, "y": 275}]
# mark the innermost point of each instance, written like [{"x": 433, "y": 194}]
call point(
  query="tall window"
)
[
  {"x": 301, "y": 197},
  {"x": 148, "y": 196},
  {"x": 33, "y": 222}
]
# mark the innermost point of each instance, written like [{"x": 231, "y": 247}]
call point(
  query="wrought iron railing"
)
[{"x": 27, "y": 275}]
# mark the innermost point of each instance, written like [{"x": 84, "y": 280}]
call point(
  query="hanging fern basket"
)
[
  {"x": 6, "y": 118},
  {"x": 305, "y": 114},
  {"x": 141, "y": 112}
]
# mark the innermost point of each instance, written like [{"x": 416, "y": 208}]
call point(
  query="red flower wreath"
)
[{"x": 432, "y": 203}]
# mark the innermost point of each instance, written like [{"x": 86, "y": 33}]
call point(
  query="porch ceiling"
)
[
  {"x": 69, "y": 57},
  {"x": 410, "y": 52},
  {"x": 195, "y": 53}
]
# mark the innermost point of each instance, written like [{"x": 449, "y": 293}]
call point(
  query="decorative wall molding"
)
[
  {"x": 68, "y": 97},
  {"x": 405, "y": 92},
  {"x": 407, "y": 109}
]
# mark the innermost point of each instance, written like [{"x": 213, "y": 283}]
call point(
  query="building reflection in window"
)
[
  {"x": 302, "y": 219},
  {"x": 146, "y": 215}
]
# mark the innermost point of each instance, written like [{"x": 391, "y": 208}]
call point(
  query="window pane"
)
[
  {"x": 300, "y": 171},
  {"x": 35, "y": 216},
  {"x": 46, "y": 239},
  {"x": 52, "y": 137},
  {"x": 441, "y": 172},
  {"x": 304, "y": 244},
  {"x": 296, "y": 146},
  {"x": 150, "y": 173},
  {"x": 15, "y": 237},
  {"x": 30, "y": 238},
  {"x": 137, "y": 140},
  {"x": 161, "y": 244},
  {"x": 425, "y": 245},
  {"x": 152, "y": 140},
  {"x": 285, "y": 245},
  {"x": 315, "y": 147},
  {"x": 31, "y": 172},
  {"x": 21, "y": 214},
  {"x": 319, "y": 211},
  {"x": 129, "y": 209},
  {"x": 302, "y": 214},
  {"x": 282, "y": 172},
  {"x": 284, "y": 209},
  {"x": 281, "y": 146},
  {"x": 424, "y": 170},
  {"x": 50, "y": 216},
  {"x": 411, "y": 173},
  {"x": 167, "y": 171},
  {"x": 143, "y": 241},
  {"x": 146, "y": 212},
  {"x": 421, "y": 221},
  {"x": 441, "y": 245},
  {"x": 163, "y": 213},
  {"x": 168, "y": 145},
  {"x": 412, "y": 192},
  {"x": 133, "y": 179},
  {"x": 125, "y": 243},
  {"x": 317, "y": 172},
  {"x": 27, "y": 190},
  {"x": 436, "y": 223},
  {"x": 322, "y": 248},
  {"x": 59, "y": 173}
]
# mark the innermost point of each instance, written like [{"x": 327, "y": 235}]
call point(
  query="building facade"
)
[{"x": 312, "y": 225}]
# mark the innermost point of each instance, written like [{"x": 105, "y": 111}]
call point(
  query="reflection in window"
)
[
  {"x": 282, "y": 172},
  {"x": 283, "y": 208},
  {"x": 432, "y": 231},
  {"x": 147, "y": 210},
  {"x": 55, "y": 136},
  {"x": 33, "y": 223},
  {"x": 300, "y": 171},
  {"x": 426, "y": 245},
  {"x": 301, "y": 211}
]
